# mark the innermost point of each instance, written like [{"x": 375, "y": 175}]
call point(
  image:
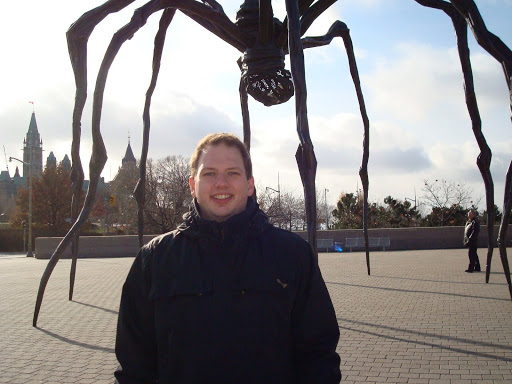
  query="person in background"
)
[
  {"x": 471, "y": 232},
  {"x": 226, "y": 297}
]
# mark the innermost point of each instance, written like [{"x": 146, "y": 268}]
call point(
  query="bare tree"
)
[
  {"x": 293, "y": 211},
  {"x": 167, "y": 193},
  {"x": 284, "y": 208},
  {"x": 269, "y": 201},
  {"x": 447, "y": 198}
]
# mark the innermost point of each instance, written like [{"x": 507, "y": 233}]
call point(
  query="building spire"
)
[
  {"x": 129, "y": 158},
  {"x": 32, "y": 149},
  {"x": 32, "y": 128}
]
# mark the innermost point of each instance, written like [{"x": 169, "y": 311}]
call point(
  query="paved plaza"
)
[{"x": 417, "y": 319}]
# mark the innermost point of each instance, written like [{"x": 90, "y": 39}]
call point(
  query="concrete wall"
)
[
  {"x": 400, "y": 239},
  {"x": 413, "y": 238},
  {"x": 92, "y": 246}
]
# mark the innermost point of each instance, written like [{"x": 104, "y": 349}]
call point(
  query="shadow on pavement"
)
[
  {"x": 426, "y": 334},
  {"x": 96, "y": 307},
  {"x": 78, "y": 343},
  {"x": 417, "y": 291}
]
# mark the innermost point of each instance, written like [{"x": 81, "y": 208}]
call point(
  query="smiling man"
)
[
  {"x": 226, "y": 297},
  {"x": 220, "y": 182}
]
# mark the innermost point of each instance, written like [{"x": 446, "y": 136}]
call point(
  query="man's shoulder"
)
[
  {"x": 159, "y": 245},
  {"x": 158, "y": 251},
  {"x": 161, "y": 240},
  {"x": 284, "y": 238}
]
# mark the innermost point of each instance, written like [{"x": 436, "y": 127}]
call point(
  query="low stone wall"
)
[
  {"x": 92, "y": 246},
  {"x": 400, "y": 239},
  {"x": 413, "y": 238}
]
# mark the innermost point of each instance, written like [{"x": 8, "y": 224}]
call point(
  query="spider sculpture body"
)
[{"x": 263, "y": 42}]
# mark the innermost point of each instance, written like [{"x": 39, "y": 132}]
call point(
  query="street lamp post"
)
[
  {"x": 29, "y": 252},
  {"x": 411, "y": 200},
  {"x": 326, "y": 210},
  {"x": 278, "y": 195},
  {"x": 278, "y": 202},
  {"x": 407, "y": 198},
  {"x": 278, "y": 191},
  {"x": 24, "y": 236}
]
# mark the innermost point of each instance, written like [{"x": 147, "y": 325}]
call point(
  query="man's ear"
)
[
  {"x": 192, "y": 184},
  {"x": 250, "y": 189}
]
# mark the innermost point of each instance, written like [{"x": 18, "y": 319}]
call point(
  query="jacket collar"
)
[{"x": 251, "y": 221}]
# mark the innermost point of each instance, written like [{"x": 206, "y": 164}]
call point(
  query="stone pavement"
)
[{"x": 417, "y": 319}]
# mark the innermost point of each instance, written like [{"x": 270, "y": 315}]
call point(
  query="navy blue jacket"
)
[{"x": 233, "y": 302}]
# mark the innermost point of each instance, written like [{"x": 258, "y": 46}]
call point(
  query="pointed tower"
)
[
  {"x": 33, "y": 150},
  {"x": 51, "y": 160},
  {"x": 128, "y": 159},
  {"x": 17, "y": 179},
  {"x": 66, "y": 163}
]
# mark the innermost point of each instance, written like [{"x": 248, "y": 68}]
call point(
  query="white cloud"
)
[
  {"x": 419, "y": 79},
  {"x": 455, "y": 157}
]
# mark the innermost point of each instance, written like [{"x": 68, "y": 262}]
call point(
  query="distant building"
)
[
  {"x": 33, "y": 150},
  {"x": 128, "y": 159},
  {"x": 128, "y": 166},
  {"x": 8, "y": 192},
  {"x": 51, "y": 161},
  {"x": 18, "y": 180},
  {"x": 33, "y": 154},
  {"x": 66, "y": 163}
]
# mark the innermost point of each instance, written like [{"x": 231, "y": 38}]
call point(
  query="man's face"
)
[
  {"x": 471, "y": 215},
  {"x": 221, "y": 186}
]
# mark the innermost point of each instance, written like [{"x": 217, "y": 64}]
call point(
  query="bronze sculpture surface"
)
[{"x": 263, "y": 42}]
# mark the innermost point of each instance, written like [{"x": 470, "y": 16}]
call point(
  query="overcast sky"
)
[{"x": 409, "y": 68}]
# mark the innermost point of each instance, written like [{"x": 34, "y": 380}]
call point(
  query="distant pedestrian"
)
[{"x": 471, "y": 241}]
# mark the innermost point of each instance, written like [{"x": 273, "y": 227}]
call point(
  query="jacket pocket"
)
[
  {"x": 192, "y": 284},
  {"x": 263, "y": 305},
  {"x": 182, "y": 306},
  {"x": 271, "y": 283}
]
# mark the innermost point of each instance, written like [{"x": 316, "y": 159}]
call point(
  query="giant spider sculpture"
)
[{"x": 263, "y": 41}]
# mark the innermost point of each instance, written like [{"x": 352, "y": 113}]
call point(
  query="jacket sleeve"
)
[
  {"x": 135, "y": 339},
  {"x": 315, "y": 327},
  {"x": 473, "y": 233}
]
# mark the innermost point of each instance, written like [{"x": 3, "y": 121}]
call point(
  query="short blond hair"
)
[{"x": 213, "y": 139}]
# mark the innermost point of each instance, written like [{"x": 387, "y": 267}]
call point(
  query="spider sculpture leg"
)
[
  {"x": 507, "y": 200},
  {"x": 140, "y": 188},
  {"x": 212, "y": 17},
  {"x": 340, "y": 29},
  {"x": 485, "y": 156},
  {"x": 246, "y": 122},
  {"x": 503, "y": 54},
  {"x": 502, "y": 237},
  {"x": 77, "y": 37},
  {"x": 245, "y": 115},
  {"x": 305, "y": 155},
  {"x": 463, "y": 13}
]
